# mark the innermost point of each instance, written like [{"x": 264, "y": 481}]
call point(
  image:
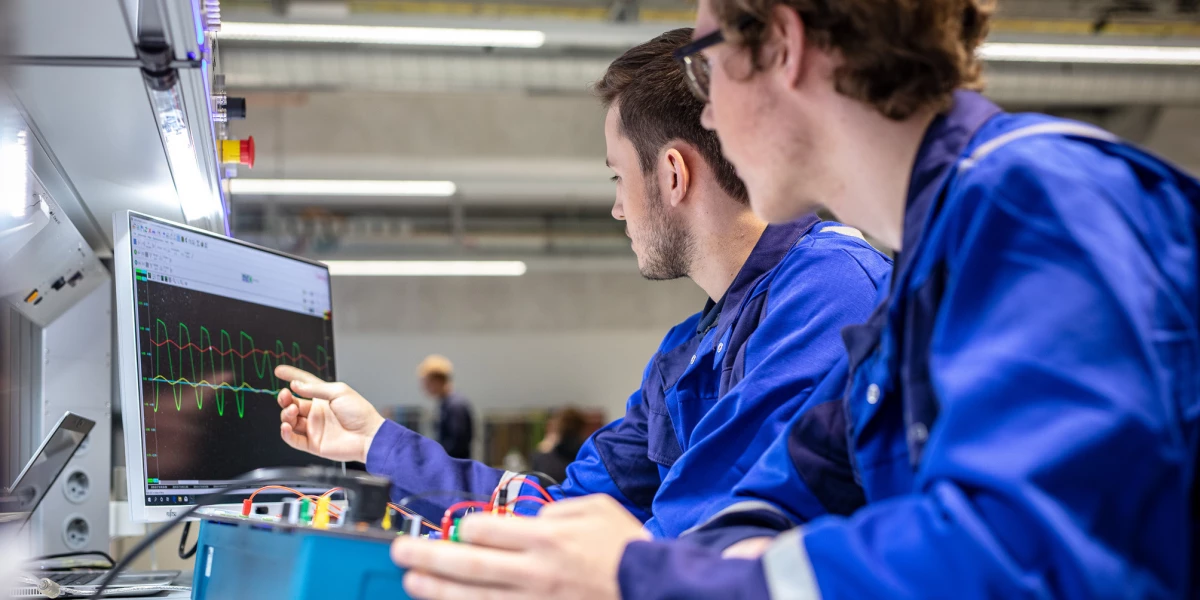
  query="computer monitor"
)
[{"x": 202, "y": 321}]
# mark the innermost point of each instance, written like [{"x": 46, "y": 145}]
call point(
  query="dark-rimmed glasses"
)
[{"x": 695, "y": 65}]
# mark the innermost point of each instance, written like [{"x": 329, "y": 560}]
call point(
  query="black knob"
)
[{"x": 235, "y": 108}]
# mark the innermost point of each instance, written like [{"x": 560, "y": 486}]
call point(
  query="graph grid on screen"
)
[{"x": 214, "y": 319}]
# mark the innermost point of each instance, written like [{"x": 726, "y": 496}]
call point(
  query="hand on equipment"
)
[
  {"x": 335, "y": 422},
  {"x": 570, "y": 550}
]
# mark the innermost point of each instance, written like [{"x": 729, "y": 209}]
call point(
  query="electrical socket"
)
[
  {"x": 77, "y": 487},
  {"x": 77, "y": 532}
]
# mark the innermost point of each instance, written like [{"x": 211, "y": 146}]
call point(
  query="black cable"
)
[
  {"x": 256, "y": 478},
  {"x": 149, "y": 540},
  {"x": 540, "y": 475},
  {"x": 106, "y": 556},
  {"x": 183, "y": 552}
]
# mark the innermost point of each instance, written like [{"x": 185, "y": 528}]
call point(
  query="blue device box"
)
[{"x": 255, "y": 558}]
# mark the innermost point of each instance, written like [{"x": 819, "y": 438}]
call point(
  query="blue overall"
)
[
  {"x": 1023, "y": 407},
  {"x": 722, "y": 386}
]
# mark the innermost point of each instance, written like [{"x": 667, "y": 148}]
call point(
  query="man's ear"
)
[
  {"x": 679, "y": 177},
  {"x": 785, "y": 49}
]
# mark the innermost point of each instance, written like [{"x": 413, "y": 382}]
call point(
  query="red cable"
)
[
  {"x": 541, "y": 489},
  {"x": 277, "y": 487},
  {"x": 446, "y": 518},
  {"x": 310, "y": 497},
  {"x": 526, "y": 481}
]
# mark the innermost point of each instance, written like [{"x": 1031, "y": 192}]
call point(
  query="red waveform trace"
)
[{"x": 303, "y": 357}]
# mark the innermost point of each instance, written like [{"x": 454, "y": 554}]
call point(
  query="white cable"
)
[{"x": 50, "y": 589}]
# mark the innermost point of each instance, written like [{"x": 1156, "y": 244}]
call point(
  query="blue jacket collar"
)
[
  {"x": 944, "y": 143},
  {"x": 774, "y": 244}
]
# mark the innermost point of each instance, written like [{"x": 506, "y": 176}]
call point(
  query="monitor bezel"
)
[{"x": 130, "y": 388}]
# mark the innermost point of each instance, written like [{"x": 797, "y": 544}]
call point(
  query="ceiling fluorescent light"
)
[
  {"x": 427, "y": 268},
  {"x": 341, "y": 187},
  {"x": 1084, "y": 53},
  {"x": 358, "y": 34}
]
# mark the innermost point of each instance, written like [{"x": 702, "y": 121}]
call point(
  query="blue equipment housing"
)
[{"x": 259, "y": 557}]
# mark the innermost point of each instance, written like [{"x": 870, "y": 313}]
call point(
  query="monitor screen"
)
[{"x": 212, "y": 317}]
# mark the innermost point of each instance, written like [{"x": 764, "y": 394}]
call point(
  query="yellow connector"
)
[{"x": 321, "y": 517}]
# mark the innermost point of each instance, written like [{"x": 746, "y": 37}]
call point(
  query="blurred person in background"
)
[
  {"x": 564, "y": 437},
  {"x": 723, "y": 383},
  {"x": 455, "y": 426}
]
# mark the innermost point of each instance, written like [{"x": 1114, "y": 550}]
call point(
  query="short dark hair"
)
[
  {"x": 657, "y": 107},
  {"x": 571, "y": 423},
  {"x": 899, "y": 56}
]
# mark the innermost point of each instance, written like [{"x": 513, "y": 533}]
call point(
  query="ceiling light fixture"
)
[
  {"x": 426, "y": 268},
  {"x": 359, "y": 34},
  {"x": 201, "y": 206},
  {"x": 1085, "y": 53},
  {"x": 341, "y": 187}
]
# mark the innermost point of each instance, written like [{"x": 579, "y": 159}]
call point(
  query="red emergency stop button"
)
[{"x": 240, "y": 152}]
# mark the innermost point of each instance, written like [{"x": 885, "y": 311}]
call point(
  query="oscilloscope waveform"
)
[{"x": 225, "y": 371}]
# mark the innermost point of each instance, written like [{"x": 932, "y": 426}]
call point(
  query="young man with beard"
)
[
  {"x": 723, "y": 383},
  {"x": 1024, "y": 407}
]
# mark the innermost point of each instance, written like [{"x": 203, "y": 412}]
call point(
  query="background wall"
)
[{"x": 538, "y": 341}]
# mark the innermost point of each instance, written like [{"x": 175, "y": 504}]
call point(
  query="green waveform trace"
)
[{"x": 226, "y": 366}]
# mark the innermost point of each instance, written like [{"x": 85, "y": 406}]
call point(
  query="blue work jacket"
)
[
  {"x": 721, "y": 388},
  {"x": 1023, "y": 407}
]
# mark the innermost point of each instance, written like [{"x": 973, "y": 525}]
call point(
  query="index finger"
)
[
  {"x": 509, "y": 533},
  {"x": 290, "y": 373}
]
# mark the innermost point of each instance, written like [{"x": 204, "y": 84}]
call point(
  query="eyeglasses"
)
[{"x": 694, "y": 63}]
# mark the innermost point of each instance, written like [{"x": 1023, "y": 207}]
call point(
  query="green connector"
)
[{"x": 305, "y": 510}]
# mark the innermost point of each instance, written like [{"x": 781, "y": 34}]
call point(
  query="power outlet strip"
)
[
  {"x": 77, "y": 532},
  {"x": 77, "y": 486}
]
